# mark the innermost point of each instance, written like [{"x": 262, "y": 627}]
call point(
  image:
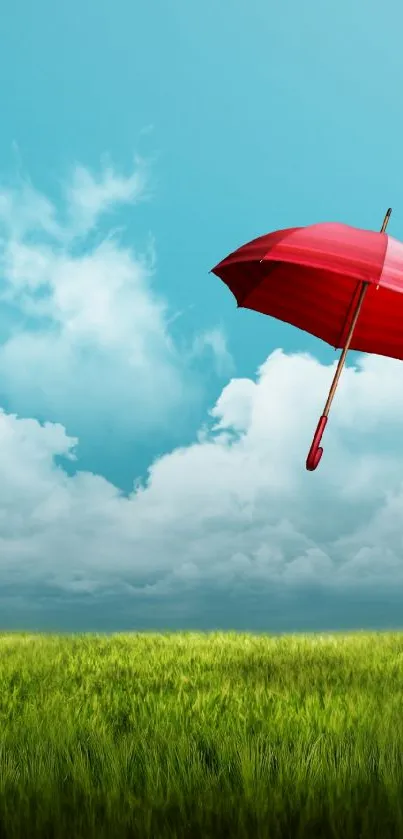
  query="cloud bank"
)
[{"x": 235, "y": 512}]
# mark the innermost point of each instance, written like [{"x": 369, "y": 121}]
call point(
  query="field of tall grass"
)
[{"x": 192, "y": 735}]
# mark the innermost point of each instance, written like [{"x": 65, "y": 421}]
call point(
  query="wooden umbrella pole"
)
[
  {"x": 342, "y": 359},
  {"x": 315, "y": 452}
]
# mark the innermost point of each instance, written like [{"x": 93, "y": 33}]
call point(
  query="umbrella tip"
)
[{"x": 386, "y": 219}]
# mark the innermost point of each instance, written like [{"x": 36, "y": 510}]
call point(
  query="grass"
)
[{"x": 191, "y": 735}]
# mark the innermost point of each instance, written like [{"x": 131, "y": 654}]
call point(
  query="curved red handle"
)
[{"x": 316, "y": 451}]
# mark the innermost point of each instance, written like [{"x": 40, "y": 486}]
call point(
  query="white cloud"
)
[
  {"x": 23, "y": 209},
  {"x": 214, "y": 342},
  {"x": 236, "y": 508},
  {"x": 90, "y": 337},
  {"x": 89, "y": 197}
]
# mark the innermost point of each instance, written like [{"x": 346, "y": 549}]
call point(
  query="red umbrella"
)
[{"x": 321, "y": 278}]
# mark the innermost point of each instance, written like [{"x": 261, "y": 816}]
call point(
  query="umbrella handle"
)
[{"x": 316, "y": 451}]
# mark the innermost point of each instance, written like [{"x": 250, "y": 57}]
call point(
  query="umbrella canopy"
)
[{"x": 339, "y": 283}]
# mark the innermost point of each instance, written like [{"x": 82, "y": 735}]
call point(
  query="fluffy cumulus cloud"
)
[
  {"x": 233, "y": 512},
  {"x": 85, "y": 336}
]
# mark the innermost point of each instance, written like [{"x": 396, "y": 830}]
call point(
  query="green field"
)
[{"x": 191, "y": 735}]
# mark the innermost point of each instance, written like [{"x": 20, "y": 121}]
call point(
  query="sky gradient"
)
[{"x": 153, "y": 437}]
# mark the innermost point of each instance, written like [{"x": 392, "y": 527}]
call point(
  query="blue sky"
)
[{"x": 140, "y": 144}]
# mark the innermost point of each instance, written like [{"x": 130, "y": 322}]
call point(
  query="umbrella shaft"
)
[
  {"x": 342, "y": 358},
  {"x": 316, "y": 450}
]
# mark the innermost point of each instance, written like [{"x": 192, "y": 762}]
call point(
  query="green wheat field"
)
[{"x": 201, "y": 735}]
